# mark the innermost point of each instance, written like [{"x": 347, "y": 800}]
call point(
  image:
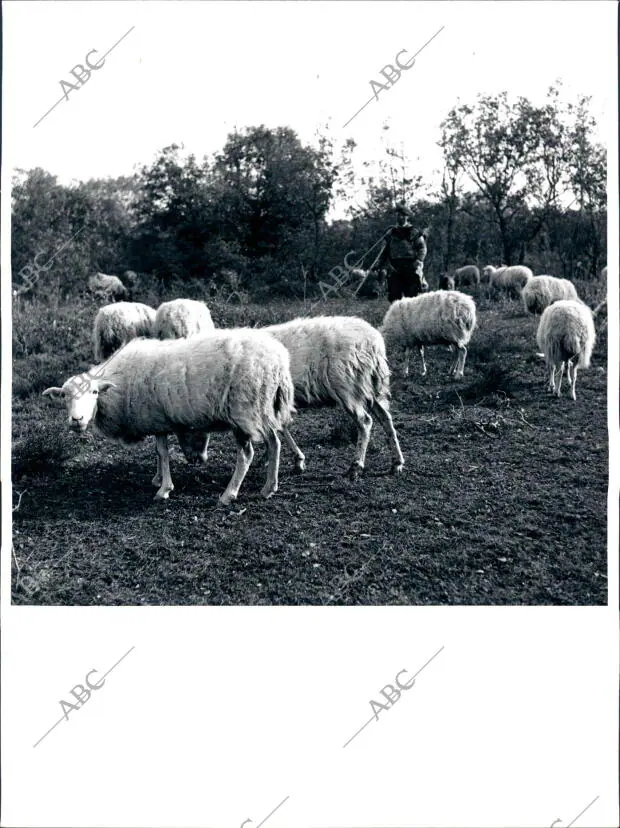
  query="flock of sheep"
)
[
  {"x": 171, "y": 371},
  {"x": 566, "y": 333}
]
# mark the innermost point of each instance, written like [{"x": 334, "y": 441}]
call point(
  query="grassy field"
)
[{"x": 502, "y": 499}]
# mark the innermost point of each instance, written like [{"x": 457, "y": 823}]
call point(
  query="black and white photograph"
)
[{"x": 310, "y": 350}]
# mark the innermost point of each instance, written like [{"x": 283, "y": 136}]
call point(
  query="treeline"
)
[{"x": 520, "y": 184}]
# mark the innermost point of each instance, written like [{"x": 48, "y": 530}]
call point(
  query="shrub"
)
[{"x": 42, "y": 452}]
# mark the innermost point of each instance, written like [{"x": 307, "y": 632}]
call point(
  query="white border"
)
[{"x": 218, "y": 714}]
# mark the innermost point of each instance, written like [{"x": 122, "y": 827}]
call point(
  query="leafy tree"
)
[{"x": 514, "y": 153}]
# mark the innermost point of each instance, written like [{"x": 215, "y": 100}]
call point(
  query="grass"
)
[{"x": 502, "y": 499}]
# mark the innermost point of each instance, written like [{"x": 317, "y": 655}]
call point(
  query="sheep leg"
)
[
  {"x": 406, "y": 363},
  {"x": 558, "y": 389},
  {"x": 364, "y": 426},
  {"x": 461, "y": 355},
  {"x": 551, "y": 384},
  {"x": 454, "y": 361},
  {"x": 163, "y": 464},
  {"x": 245, "y": 454},
  {"x": 573, "y": 382},
  {"x": 204, "y": 454},
  {"x": 382, "y": 413},
  {"x": 273, "y": 452},
  {"x": 300, "y": 458},
  {"x": 156, "y": 481},
  {"x": 421, "y": 350}
]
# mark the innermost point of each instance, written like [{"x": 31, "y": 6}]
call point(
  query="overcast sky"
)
[{"x": 190, "y": 72}]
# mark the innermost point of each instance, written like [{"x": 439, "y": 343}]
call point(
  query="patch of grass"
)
[
  {"x": 42, "y": 452},
  {"x": 495, "y": 378},
  {"x": 34, "y": 375}
]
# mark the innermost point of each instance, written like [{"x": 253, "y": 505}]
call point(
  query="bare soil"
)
[{"x": 503, "y": 498}]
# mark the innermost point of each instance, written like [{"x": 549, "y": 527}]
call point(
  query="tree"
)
[{"x": 514, "y": 154}]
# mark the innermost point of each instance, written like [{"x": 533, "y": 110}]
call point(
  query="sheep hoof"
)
[
  {"x": 163, "y": 494},
  {"x": 268, "y": 491},
  {"x": 226, "y": 499},
  {"x": 354, "y": 472},
  {"x": 397, "y": 467},
  {"x": 300, "y": 466}
]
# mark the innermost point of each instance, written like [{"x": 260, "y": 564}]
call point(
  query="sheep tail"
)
[
  {"x": 279, "y": 401},
  {"x": 380, "y": 378},
  {"x": 283, "y": 403}
]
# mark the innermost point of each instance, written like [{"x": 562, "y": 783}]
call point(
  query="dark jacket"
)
[{"x": 403, "y": 243}]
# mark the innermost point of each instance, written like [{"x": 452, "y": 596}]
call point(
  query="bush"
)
[{"x": 43, "y": 452}]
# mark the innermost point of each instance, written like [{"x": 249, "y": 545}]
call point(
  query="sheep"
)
[
  {"x": 566, "y": 336},
  {"x": 118, "y": 323},
  {"x": 108, "y": 287},
  {"x": 541, "y": 291},
  {"x": 340, "y": 360},
  {"x": 182, "y": 318},
  {"x": 488, "y": 272},
  {"x": 235, "y": 379},
  {"x": 511, "y": 279},
  {"x": 446, "y": 282},
  {"x": 436, "y": 318},
  {"x": 468, "y": 275}
]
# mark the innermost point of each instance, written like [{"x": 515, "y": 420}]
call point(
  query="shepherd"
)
[{"x": 403, "y": 253}]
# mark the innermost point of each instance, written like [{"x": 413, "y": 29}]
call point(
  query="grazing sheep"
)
[
  {"x": 116, "y": 324},
  {"x": 468, "y": 275},
  {"x": 182, "y": 318},
  {"x": 510, "y": 279},
  {"x": 566, "y": 336},
  {"x": 446, "y": 282},
  {"x": 488, "y": 272},
  {"x": 541, "y": 291},
  {"x": 340, "y": 360},
  {"x": 108, "y": 287},
  {"x": 436, "y": 318},
  {"x": 234, "y": 379}
]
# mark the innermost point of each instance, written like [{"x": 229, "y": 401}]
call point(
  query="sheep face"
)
[{"x": 80, "y": 395}]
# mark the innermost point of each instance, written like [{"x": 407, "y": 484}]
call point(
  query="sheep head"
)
[{"x": 80, "y": 394}]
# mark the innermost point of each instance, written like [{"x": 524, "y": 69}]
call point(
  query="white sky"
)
[{"x": 190, "y": 72}]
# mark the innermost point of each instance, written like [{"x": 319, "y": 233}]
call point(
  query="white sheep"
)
[
  {"x": 467, "y": 275},
  {"x": 541, "y": 291},
  {"x": 182, "y": 318},
  {"x": 234, "y": 379},
  {"x": 566, "y": 336},
  {"x": 107, "y": 287},
  {"x": 510, "y": 279},
  {"x": 441, "y": 317},
  {"x": 341, "y": 360},
  {"x": 116, "y": 324}
]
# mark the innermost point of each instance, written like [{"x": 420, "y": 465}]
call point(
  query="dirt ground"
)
[{"x": 503, "y": 498}]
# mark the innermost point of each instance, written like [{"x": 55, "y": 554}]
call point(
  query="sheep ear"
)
[
  {"x": 55, "y": 393},
  {"x": 105, "y": 384}
]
